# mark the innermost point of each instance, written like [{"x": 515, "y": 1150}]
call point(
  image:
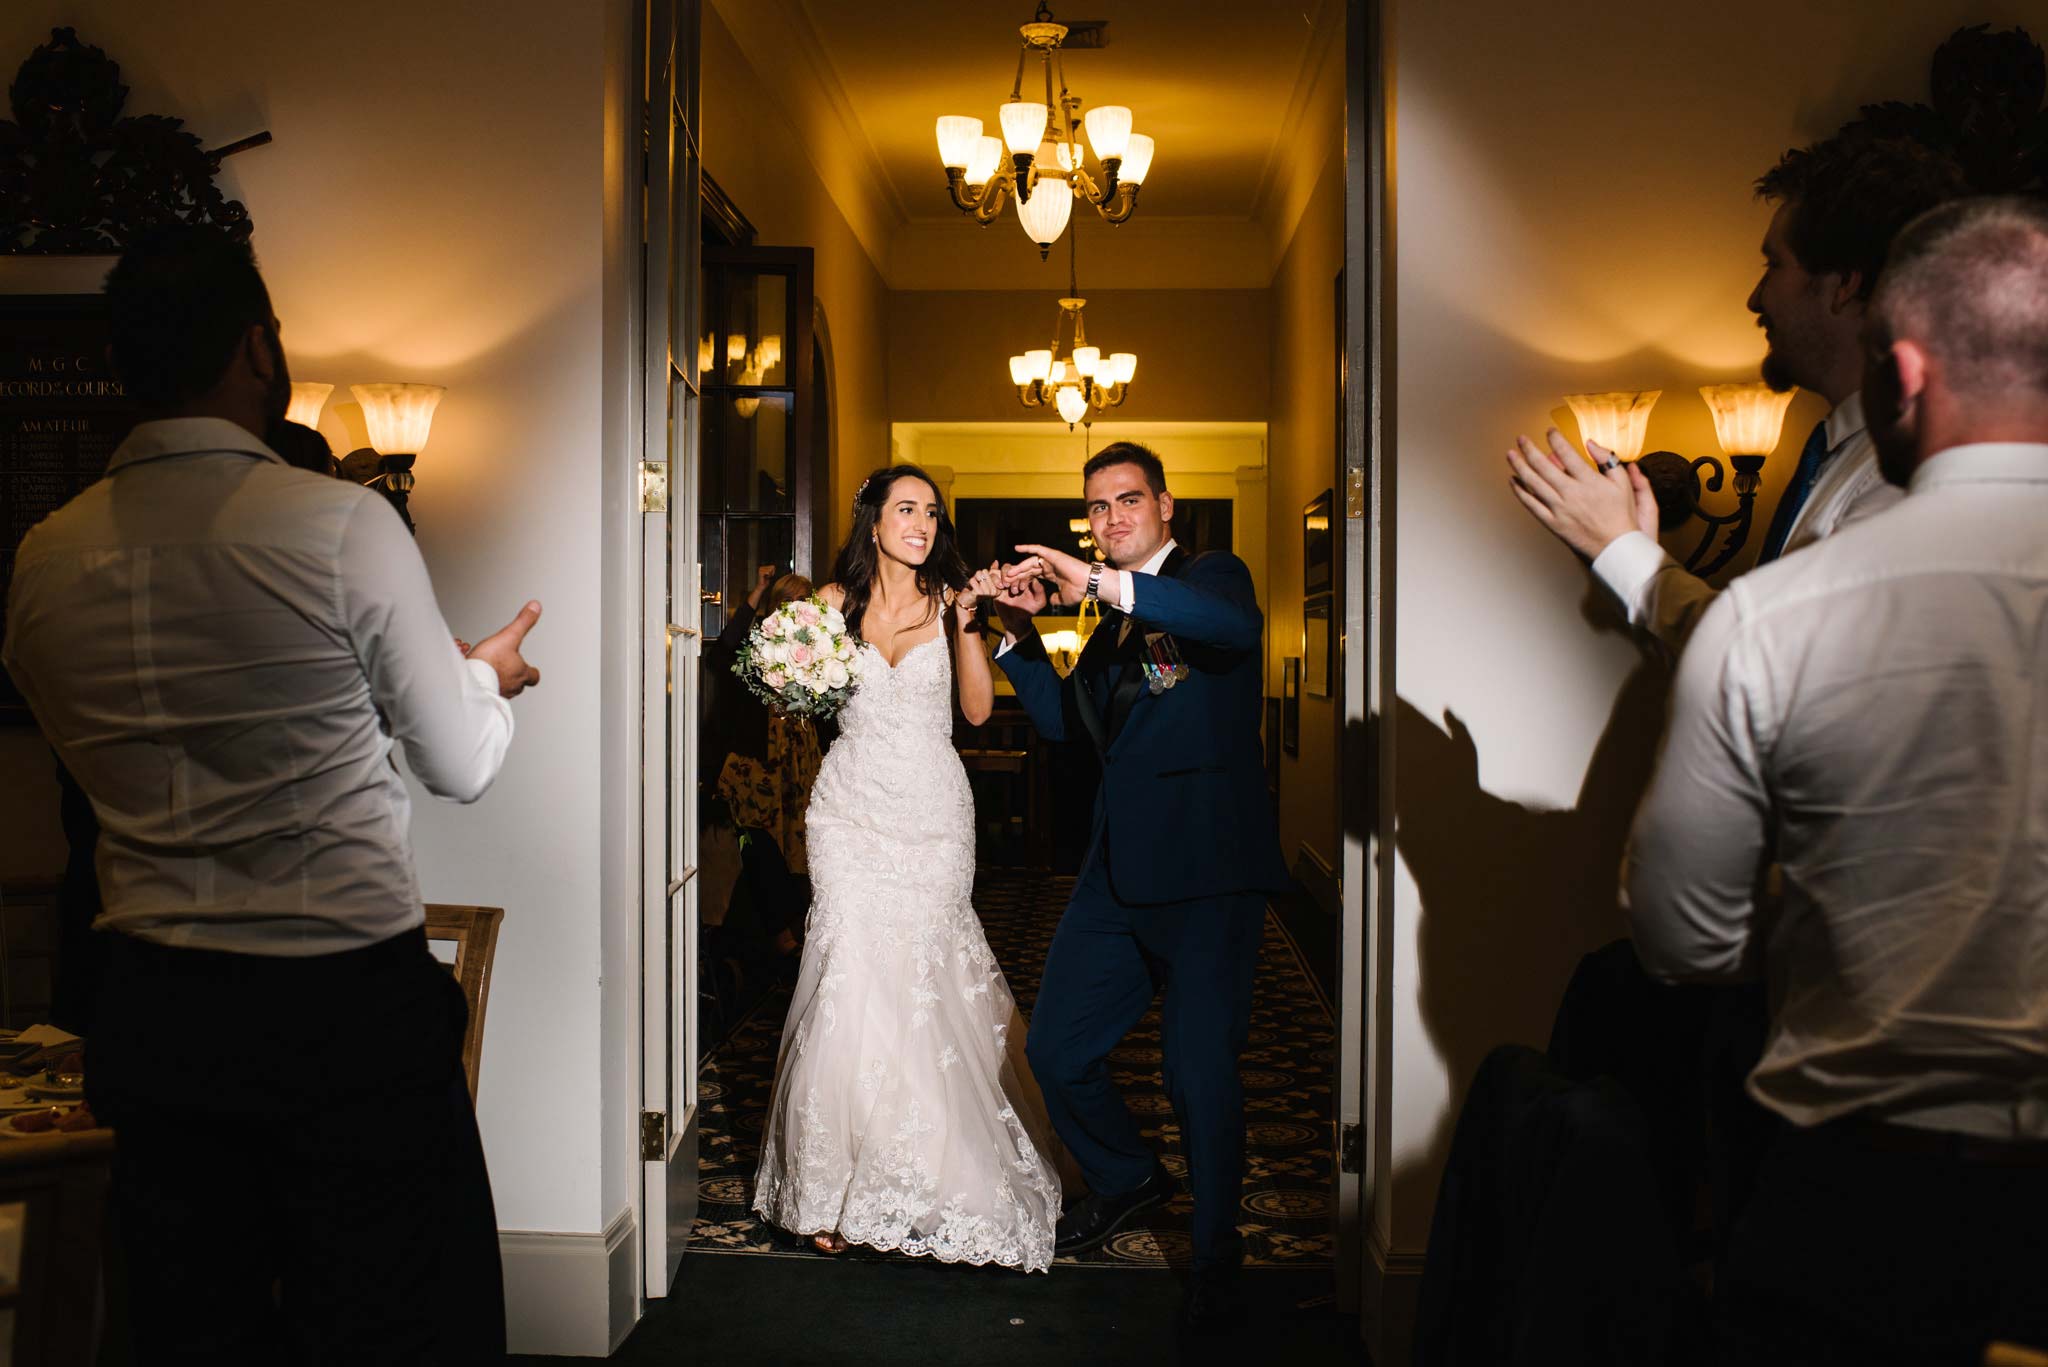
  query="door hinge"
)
[
  {"x": 1351, "y": 1148},
  {"x": 653, "y": 486},
  {"x": 653, "y": 1136}
]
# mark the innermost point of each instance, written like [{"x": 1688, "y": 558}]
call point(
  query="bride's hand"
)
[{"x": 984, "y": 585}]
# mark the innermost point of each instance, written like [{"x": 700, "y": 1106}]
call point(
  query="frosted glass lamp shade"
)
[
  {"x": 1068, "y": 155},
  {"x": 1058, "y": 374},
  {"x": 1044, "y": 215},
  {"x": 958, "y": 138},
  {"x": 1023, "y": 126},
  {"x": 1618, "y": 420},
  {"x": 1086, "y": 360},
  {"x": 1109, "y": 130},
  {"x": 1038, "y": 364},
  {"x": 984, "y": 159},
  {"x": 399, "y": 416},
  {"x": 308, "y": 398},
  {"x": 1123, "y": 365},
  {"x": 1073, "y": 403},
  {"x": 1020, "y": 371},
  {"x": 1747, "y": 417},
  {"x": 1137, "y": 160}
]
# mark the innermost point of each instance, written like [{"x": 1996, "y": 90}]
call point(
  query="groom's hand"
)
[{"x": 1070, "y": 572}]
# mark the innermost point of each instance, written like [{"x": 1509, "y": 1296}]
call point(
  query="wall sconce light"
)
[
  {"x": 1748, "y": 418},
  {"x": 308, "y": 399},
  {"x": 399, "y": 418}
]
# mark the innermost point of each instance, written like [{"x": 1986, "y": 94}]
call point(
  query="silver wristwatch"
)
[{"x": 1094, "y": 590}]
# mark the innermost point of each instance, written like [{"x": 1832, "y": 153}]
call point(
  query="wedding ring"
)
[{"x": 1608, "y": 464}]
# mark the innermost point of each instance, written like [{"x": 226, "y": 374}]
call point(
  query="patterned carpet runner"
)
[{"x": 1287, "y": 1069}]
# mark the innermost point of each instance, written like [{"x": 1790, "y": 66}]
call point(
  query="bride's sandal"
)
[{"x": 828, "y": 1242}]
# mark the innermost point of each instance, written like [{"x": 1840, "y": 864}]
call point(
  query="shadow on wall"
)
[{"x": 1511, "y": 896}]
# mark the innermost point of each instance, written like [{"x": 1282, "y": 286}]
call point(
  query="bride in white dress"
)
[{"x": 904, "y": 1116}]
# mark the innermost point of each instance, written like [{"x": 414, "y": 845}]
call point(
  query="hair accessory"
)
[{"x": 858, "y": 492}]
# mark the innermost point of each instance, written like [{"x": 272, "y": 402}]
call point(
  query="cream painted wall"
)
[
  {"x": 1201, "y": 353},
  {"x": 1304, "y": 463},
  {"x": 1572, "y": 212},
  {"x": 757, "y": 157},
  {"x": 433, "y": 210}
]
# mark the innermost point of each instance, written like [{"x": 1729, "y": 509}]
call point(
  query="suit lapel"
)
[{"x": 1088, "y": 673}]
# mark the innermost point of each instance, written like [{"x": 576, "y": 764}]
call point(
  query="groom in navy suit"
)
[{"x": 1172, "y": 894}]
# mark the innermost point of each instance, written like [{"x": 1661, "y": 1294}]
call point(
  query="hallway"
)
[{"x": 1116, "y": 1304}]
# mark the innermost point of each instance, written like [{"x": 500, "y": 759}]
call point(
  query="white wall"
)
[
  {"x": 1573, "y": 212},
  {"x": 433, "y": 209}
]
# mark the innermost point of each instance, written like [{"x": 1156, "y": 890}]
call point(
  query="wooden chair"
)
[
  {"x": 57, "y": 1186},
  {"x": 474, "y": 931}
]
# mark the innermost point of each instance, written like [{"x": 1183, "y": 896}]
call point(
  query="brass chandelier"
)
[
  {"x": 1081, "y": 381},
  {"x": 1045, "y": 169}
]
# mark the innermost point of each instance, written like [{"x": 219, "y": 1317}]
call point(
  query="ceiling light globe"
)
[
  {"x": 1086, "y": 360},
  {"x": 1038, "y": 364},
  {"x": 1023, "y": 126},
  {"x": 1073, "y": 404},
  {"x": 1122, "y": 365},
  {"x": 1020, "y": 371},
  {"x": 958, "y": 136},
  {"x": 1044, "y": 215},
  {"x": 1137, "y": 160},
  {"x": 984, "y": 159},
  {"x": 1109, "y": 130}
]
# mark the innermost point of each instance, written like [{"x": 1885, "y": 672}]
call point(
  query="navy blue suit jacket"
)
[{"x": 1182, "y": 811}]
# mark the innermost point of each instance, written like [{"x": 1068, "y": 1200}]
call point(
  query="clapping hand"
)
[
  {"x": 1585, "y": 508},
  {"x": 500, "y": 650}
]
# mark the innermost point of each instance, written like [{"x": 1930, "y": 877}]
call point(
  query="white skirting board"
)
[{"x": 571, "y": 1295}]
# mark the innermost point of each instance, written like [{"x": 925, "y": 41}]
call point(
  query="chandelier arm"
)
[
  {"x": 966, "y": 198},
  {"x": 1050, "y": 106},
  {"x": 1017, "y": 86},
  {"x": 993, "y": 197},
  {"x": 1085, "y": 187},
  {"x": 1119, "y": 209}
]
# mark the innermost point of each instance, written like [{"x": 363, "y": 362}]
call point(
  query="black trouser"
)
[
  {"x": 1107, "y": 961},
  {"x": 298, "y": 1176},
  {"x": 1872, "y": 1246}
]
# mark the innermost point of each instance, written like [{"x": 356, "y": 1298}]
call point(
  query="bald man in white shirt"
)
[
  {"x": 225, "y": 651},
  {"x": 1873, "y": 715}
]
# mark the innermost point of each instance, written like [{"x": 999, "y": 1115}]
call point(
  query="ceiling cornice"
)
[
  {"x": 782, "y": 45},
  {"x": 1282, "y": 195}
]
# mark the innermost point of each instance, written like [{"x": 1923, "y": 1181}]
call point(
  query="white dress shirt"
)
[
  {"x": 1874, "y": 713},
  {"x": 1665, "y": 600},
  {"x": 223, "y": 650}
]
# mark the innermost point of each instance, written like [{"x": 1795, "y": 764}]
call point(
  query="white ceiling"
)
[
  {"x": 1212, "y": 82},
  {"x": 1243, "y": 99}
]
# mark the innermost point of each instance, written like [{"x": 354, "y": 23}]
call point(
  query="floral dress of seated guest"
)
[{"x": 904, "y": 1116}]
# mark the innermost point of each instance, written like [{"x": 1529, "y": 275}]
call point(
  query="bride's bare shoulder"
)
[{"x": 834, "y": 596}]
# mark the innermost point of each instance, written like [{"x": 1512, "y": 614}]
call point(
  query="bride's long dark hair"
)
[{"x": 860, "y": 560}]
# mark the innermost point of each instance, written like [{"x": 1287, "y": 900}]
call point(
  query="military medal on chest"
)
[{"x": 1162, "y": 662}]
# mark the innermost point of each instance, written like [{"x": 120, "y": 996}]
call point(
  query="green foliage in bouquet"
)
[{"x": 801, "y": 660}]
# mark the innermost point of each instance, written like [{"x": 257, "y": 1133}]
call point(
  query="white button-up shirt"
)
[
  {"x": 1875, "y": 711},
  {"x": 223, "y": 650},
  {"x": 1665, "y": 600}
]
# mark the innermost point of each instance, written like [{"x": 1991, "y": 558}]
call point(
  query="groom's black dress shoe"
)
[
  {"x": 1213, "y": 1303},
  {"x": 1094, "y": 1218}
]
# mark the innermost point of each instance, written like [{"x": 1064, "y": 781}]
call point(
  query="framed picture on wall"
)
[
  {"x": 1290, "y": 705},
  {"x": 1318, "y": 568},
  {"x": 1318, "y": 656}
]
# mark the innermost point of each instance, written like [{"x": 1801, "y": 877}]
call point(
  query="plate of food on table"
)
[{"x": 48, "y": 1120}]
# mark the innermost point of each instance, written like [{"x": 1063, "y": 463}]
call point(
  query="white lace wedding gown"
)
[{"x": 904, "y": 1116}]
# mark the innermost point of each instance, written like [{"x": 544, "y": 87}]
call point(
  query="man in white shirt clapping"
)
[
  {"x": 224, "y": 651},
  {"x": 1873, "y": 714}
]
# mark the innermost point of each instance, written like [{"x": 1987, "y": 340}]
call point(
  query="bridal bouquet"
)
[{"x": 800, "y": 659}]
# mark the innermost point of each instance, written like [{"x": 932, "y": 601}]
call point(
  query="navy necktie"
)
[{"x": 1811, "y": 461}]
